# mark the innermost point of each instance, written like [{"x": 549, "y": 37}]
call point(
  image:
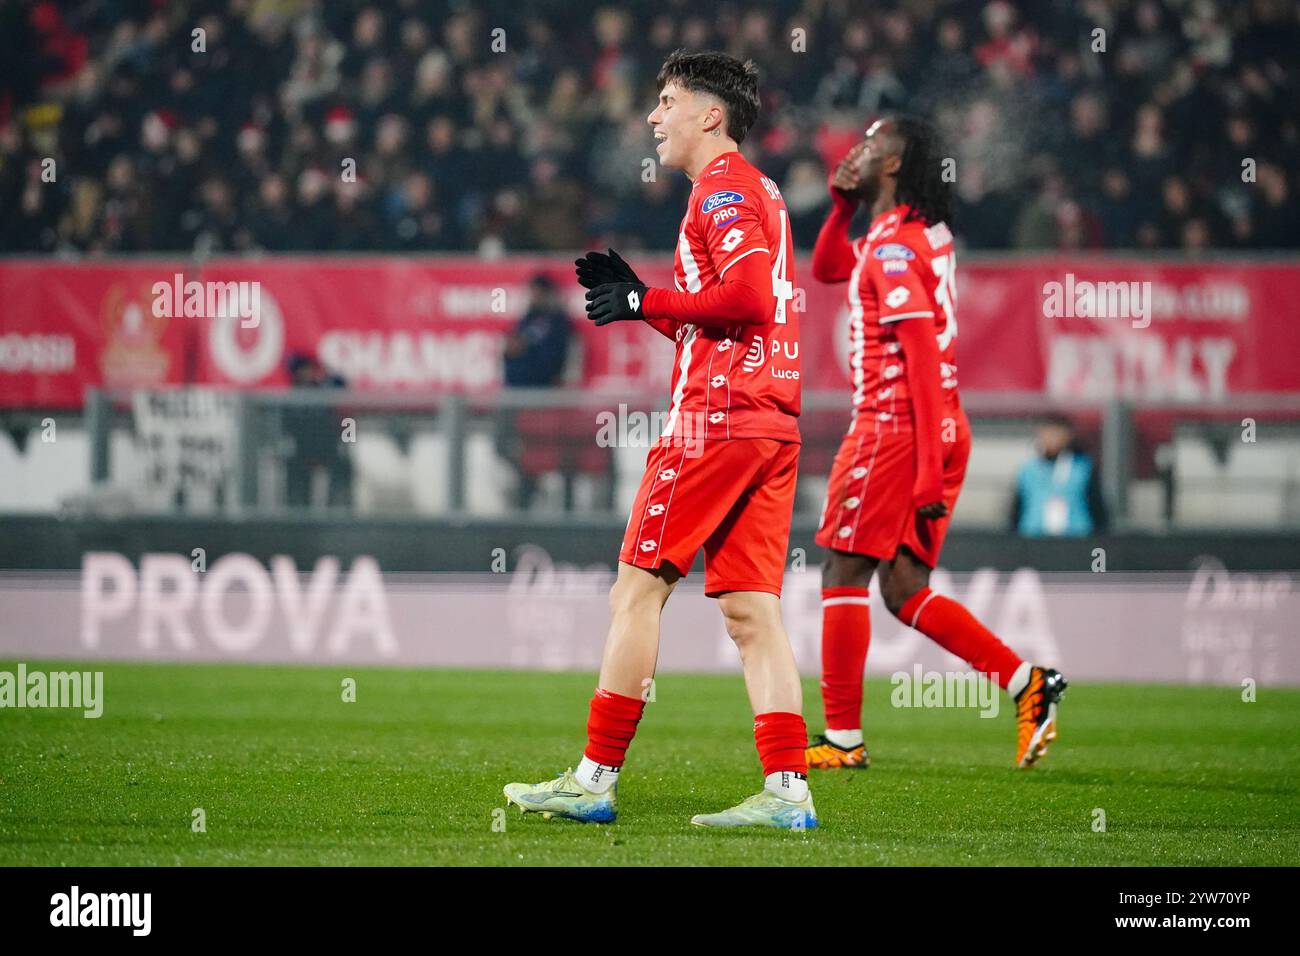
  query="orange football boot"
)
[
  {"x": 824, "y": 755},
  {"x": 1036, "y": 714}
]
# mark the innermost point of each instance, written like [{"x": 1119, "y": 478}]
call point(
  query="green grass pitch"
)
[{"x": 411, "y": 773}]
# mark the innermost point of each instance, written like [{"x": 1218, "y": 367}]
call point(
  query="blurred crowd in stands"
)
[{"x": 229, "y": 125}]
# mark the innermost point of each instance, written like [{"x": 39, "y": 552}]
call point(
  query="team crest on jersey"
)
[
  {"x": 893, "y": 250},
  {"x": 724, "y": 198}
]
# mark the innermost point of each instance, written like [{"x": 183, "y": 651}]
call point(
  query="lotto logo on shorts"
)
[
  {"x": 655, "y": 511},
  {"x": 649, "y": 544},
  {"x": 852, "y": 502},
  {"x": 717, "y": 417},
  {"x": 844, "y": 531},
  {"x": 718, "y": 381},
  {"x": 859, "y": 472},
  {"x": 724, "y": 345},
  {"x": 668, "y": 474}
]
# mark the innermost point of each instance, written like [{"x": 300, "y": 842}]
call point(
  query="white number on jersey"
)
[
  {"x": 945, "y": 268},
  {"x": 782, "y": 287}
]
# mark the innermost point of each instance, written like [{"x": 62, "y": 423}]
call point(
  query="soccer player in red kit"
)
[
  {"x": 721, "y": 476},
  {"x": 900, "y": 467}
]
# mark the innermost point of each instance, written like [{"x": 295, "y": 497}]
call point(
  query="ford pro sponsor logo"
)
[
  {"x": 894, "y": 250},
  {"x": 722, "y": 216},
  {"x": 724, "y": 198}
]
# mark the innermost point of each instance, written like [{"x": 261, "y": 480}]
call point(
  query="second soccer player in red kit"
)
[
  {"x": 900, "y": 468},
  {"x": 721, "y": 476}
]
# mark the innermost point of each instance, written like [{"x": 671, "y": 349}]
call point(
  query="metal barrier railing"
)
[{"x": 262, "y": 424}]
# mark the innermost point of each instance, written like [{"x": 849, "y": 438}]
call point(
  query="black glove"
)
[
  {"x": 616, "y": 302},
  {"x": 596, "y": 268}
]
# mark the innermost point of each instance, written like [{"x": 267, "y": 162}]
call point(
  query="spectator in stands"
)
[
  {"x": 316, "y": 432},
  {"x": 1057, "y": 492},
  {"x": 540, "y": 145},
  {"x": 537, "y": 351},
  {"x": 536, "y": 354}
]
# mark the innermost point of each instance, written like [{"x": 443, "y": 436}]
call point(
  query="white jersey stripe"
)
[
  {"x": 886, "y": 319},
  {"x": 683, "y": 373},
  {"x": 857, "y": 332},
  {"x": 690, "y": 268},
  {"x": 747, "y": 252}
]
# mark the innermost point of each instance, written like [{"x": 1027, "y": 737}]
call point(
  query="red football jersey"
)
[
  {"x": 905, "y": 271},
  {"x": 743, "y": 381}
]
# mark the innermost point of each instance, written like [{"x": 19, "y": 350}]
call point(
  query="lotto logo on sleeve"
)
[
  {"x": 897, "y": 297},
  {"x": 724, "y": 198}
]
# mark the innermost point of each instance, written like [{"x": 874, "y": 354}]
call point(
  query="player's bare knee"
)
[
  {"x": 841, "y": 570},
  {"x": 636, "y": 595},
  {"x": 898, "y": 588},
  {"x": 744, "y": 621},
  {"x": 741, "y": 622},
  {"x": 742, "y": 628},
  {"x": 895, "y": 595}
]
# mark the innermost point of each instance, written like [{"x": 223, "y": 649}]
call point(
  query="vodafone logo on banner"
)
[{"x": 248, "y": 355}]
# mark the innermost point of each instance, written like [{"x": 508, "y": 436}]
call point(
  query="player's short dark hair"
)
[
  {"x": 920, "y": 174},
  {"x": 720, "y": 75},
  {"x": 1056, "y": 419}
]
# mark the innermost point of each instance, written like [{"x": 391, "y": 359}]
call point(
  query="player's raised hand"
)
[
  {"x": 616, "y": 302},
  {"x": 597, "y": 268},
  {"x": 844, "y": 181}
]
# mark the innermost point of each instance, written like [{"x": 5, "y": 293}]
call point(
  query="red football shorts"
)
[
  {"x": 734, "y": 499},
  {"x": 869, "y": 508}
]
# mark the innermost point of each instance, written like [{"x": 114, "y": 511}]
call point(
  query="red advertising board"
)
[{"x": 1086, "y": 328}]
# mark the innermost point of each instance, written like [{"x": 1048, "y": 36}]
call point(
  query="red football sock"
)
[
  {"x": 782, "y": 739},
  {"x": 846, "y": 634},
  {"x": 611, "y": 724},
  {"x": 955, "y": 629}
]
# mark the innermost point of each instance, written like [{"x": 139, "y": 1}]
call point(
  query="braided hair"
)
[{"x": 920, "y": 182}]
